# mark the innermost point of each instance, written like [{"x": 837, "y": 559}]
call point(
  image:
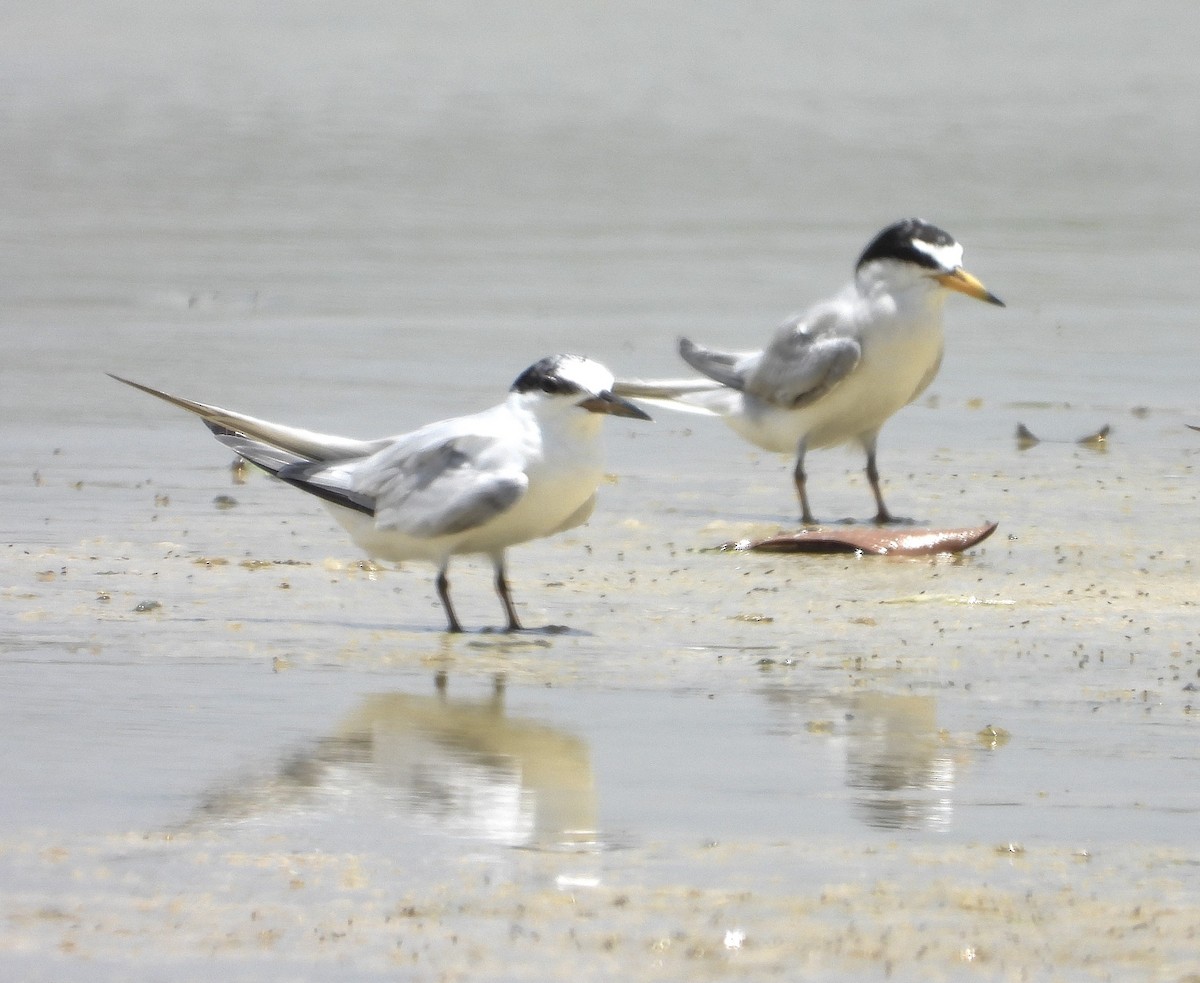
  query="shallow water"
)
[{"x": 729, "y": 765}]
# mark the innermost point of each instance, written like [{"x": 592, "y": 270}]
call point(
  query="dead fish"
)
[{"x": 876, "y": 541}]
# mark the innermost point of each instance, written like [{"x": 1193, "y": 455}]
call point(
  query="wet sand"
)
[
  {"x": 236, "y": 749},
  {"x": 241, "y": 744}
]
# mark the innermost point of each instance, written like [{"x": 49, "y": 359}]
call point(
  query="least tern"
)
[
  {"x": 521, "y": 470},
  {"x": 836, "y": 372}
]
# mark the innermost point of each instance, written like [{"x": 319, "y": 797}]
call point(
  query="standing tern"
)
[
  {"x": 836, "y": 372},
  {"x": 521, "y": 470}
]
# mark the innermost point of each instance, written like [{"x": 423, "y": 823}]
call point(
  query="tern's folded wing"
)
[
  {"x": 798, "y": 369},
  {"x": 442, "y": 489}
]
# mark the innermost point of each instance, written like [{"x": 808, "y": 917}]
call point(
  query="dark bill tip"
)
[{"x": 606, "y": 402}]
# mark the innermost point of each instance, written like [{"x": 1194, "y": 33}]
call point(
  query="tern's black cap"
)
[
  {"x": 896, "y": 242},
  {"x": 546, "y": 375}
]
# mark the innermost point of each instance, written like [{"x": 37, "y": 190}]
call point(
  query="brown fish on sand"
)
[{"x": 873, "y": 540}]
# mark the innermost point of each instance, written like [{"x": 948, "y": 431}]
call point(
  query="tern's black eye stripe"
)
[{"x": 552, "y": 384}]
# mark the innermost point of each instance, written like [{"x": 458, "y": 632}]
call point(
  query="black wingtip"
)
[
  {"x": 298, "y": 476},
  {"x": 124, "y": 381},
  {"x": 220, "y": 430}
]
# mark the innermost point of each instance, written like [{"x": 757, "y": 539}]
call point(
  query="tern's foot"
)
[
  {"x": 875, "y": 520},
  {"x": 549, "y": 630},
  {"x": 524, "y": 632},
  {"x": 887, "y": 519}
]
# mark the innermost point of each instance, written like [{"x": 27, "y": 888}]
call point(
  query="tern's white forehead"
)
[
  {"x": 589, "y": 376},
  {"x": 946, "y": 256}
]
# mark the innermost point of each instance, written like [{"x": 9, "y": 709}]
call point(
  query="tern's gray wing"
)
[
  {"x": 724, "y": 367},
  {"x": 423, "y": 484},
  {"x": 662, "y": 389},
  {"x": 262, "y": 433},
  {"x": 432, "y": 490},
  {"x": 293, "y": 468},
  {"x": 704, "y": 396},
  {"x": 804, "y": 361},
  {"x": 442, "y": 488}
]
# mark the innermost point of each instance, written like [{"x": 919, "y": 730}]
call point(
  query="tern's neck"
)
[
  {"x": 560, "y": 417},
  {"x": 918, "y": 295}
]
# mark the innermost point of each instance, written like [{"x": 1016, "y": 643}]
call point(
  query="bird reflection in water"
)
[
  {"x": 899, "y": 769},
  {"x": 459, "y": 765}
]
